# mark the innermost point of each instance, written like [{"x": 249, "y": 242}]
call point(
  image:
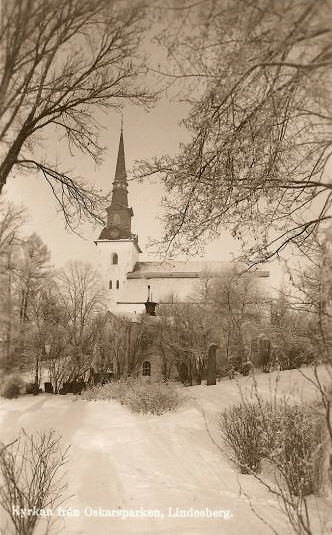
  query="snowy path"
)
[{"x": 118, "y": 460}]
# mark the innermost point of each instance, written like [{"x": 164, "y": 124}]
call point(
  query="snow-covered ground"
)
[{"x": 126, "y": 462}]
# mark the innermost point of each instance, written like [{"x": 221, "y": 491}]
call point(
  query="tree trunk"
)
[
  {"x": 9, "y": 310},
  {"x": 11, "y": 157}
]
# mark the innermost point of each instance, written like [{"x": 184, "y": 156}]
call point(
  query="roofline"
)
[
  {"x": 130, "y": 302},
  {"x": 267, "y": 301},
  {"x": 162, "y": 275},
  {"x": 182, "y": 274}
]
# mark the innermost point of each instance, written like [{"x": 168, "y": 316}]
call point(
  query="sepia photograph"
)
[{"x": 166, "y": 267}]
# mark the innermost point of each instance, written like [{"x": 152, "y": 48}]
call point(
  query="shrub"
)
[
  {"x": 223, "y": 369},
  {"x": 31, "y": 475},
  {"x": 296, "y": 352},
  {"x": 155, "y": 397},
  {"x": 240, "y": 433},
  {"x": 113, "y": 390},
  {"x": 10, "y": 387},
  {"x": 262, "y": 349},
  {"x": 247, "y": 368},
  {"x": 32, "y": 388},
  {"x": 289, "y": 436},
  {"x": 296, "y": 447}
]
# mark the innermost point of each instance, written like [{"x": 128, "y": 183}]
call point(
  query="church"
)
[{"x": 133, "y": 287}]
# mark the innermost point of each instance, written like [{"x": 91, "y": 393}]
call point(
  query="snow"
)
[{"x": 119, "y": 460}]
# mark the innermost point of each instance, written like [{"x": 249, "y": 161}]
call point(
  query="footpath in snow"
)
[{"x": 123, "y": 462}]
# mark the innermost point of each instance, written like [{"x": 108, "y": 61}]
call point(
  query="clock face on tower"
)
[{"x": 114, "y": 232}]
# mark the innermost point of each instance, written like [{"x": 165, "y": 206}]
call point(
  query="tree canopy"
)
[
  {"x": 257, "y": 75},
  {"x": 61, "y": 63}
]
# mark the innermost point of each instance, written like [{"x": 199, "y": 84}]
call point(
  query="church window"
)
[
  {"x": 115, "y": 259},
  {"x": 110, "y": 285},
  {"x": 146, "y": 368},
  {"x": 116, "y": 219},
  {"x": 117, "y": 285}
]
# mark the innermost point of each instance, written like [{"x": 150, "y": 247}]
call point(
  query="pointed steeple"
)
[
  {"x": 120, "y": 184},
  {"x": 119, "y": 215},
  {"x": 120, "y": 171}
]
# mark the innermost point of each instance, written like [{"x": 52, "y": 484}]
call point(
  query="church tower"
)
[{"x": 117, "y": 246}]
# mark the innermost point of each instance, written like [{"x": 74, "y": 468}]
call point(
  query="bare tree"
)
[
  {"x": 47, "y": 326},
  {"x": 163, "y": 337},
  {"x": 315, "y": 298},
  {"x": 11, "y": 221},
  {"x": 31, "y": 479},
  {"x": 61, "y": 62},
  {"x": 120, "y": 343},
  {"x": 138, "y": 338},
  {"x": 116, "y": 344},
  {"x": 187, "y": 333},
  {"x": 31, "y": 272},
  {"x": 240, "y": 310},
  {"x": 29, "y": 278},
  {"x": 312, "y": 284},
  {"x": 257, "y": 77},
  {"x": 81, "y": 296}
]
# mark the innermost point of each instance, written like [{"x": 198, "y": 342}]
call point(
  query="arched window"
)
[
  {"x": 146, "y": 368},
  {"x": 117, "y": 285},
  {"x": 115, "y": 259},
  {"x": 110, "y": 285},
  {"x": 116, "y": 219}
]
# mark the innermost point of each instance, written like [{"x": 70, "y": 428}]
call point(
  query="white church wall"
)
[
  {"x": 127, "y": 256},
  {"x": 161, "y": 288},
  {"x": 135, "y": 291}
]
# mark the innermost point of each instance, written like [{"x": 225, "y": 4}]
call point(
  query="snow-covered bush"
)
[
  {"x": 10, "y": 387},
  {"x": 294, "y": 437},
  {"x": 239, "y": 429},
  {"x": 113, "y": 390},
  {"x": 289, "y": 436},
  {"x": 155, "y": 397},
  {"x": 139, "y": 396}
]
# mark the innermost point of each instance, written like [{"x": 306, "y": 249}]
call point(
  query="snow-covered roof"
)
[
  {"x": 184, "y": 266},
  {"x": 183, "y": 269}
]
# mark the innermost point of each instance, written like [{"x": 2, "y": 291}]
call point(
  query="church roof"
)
[
  {"x": 183, "y": 265},
  {"x": 183, "y": 269}
]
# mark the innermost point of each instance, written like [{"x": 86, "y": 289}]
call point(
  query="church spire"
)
[
  {"x": 120, "y": 171},
  {"x": 120, "y": 184},
  {"x": 119, "y": 215}
]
